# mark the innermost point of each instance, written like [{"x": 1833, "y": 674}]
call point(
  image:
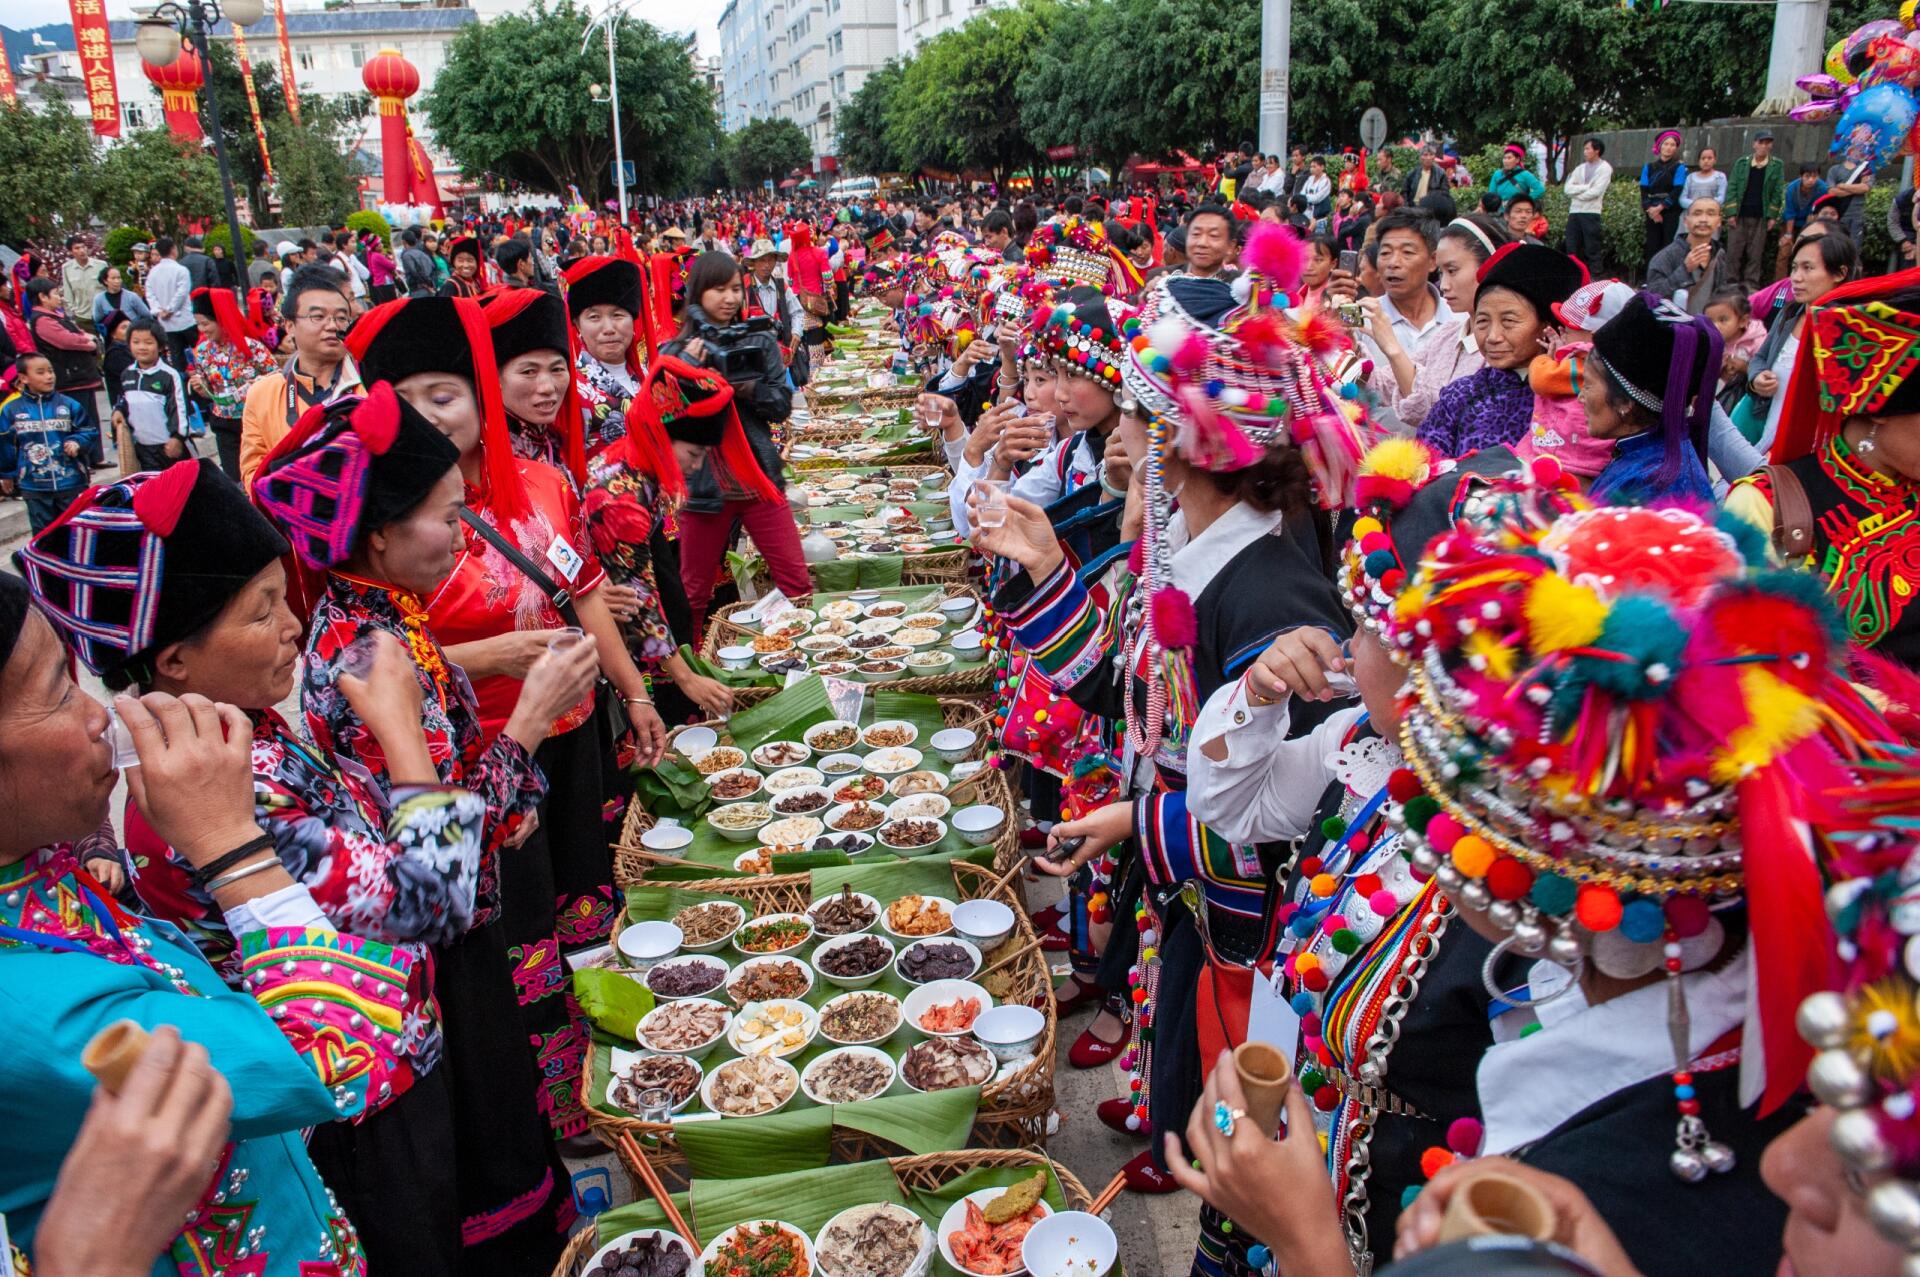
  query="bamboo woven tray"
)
[{"x": 912, "y": 1173}]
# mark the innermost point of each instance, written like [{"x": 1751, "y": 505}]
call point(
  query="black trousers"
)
[
  {"x": 226, "y": 438},
  {"x": 1586, "y": 241}
]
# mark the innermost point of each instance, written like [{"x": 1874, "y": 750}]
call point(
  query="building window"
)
[
  {"x": 305, "y": 58},
  {"x": 136, "y": 115},
  {"x": 946, "y": 7},
  {"x": 923, "y": 10},
  {"x": 357, "y": 53}
]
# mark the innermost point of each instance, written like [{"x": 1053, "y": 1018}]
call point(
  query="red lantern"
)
[{"x": 179, "y": 83}]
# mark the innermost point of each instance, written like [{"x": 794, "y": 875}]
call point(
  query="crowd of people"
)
[{"x": 1470, "y": 673}]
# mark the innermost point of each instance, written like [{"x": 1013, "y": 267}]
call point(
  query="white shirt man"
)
[{"x": 170, "y": 295}]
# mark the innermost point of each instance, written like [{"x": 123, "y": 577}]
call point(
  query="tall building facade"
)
[
  {"x": 921, "y": 20},
  {"x": 801, "y": 60}
]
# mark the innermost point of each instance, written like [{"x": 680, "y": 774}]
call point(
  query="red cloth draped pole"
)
[
  {"x": 286, "y": 60},
  {"x": 253, "y": 98},
  {"x": 392, "y": 80},
  {"x": 8, "y": 93},
  {"x": 426, "y": 190},
  {"x": 179, "y": 83},
  {"x": 96, "y": 66}
]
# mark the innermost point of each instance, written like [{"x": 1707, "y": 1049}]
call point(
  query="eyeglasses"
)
[{"x": 325, "y": 318}]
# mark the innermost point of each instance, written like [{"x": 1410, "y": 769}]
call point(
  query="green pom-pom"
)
[
  {"x": 1332, "y": 827},
  {"x": 1553, "y": 893},
  {"x": 1408, "y": 1194},
  {"x": 1345, "y": 941},
  {"x": 1419, "y": 810},
  {"x": 1312, "y": 1080}
]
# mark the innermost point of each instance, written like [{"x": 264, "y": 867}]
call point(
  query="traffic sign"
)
[
  {"x": 625, "y": 168},
  {"x": 1373, "y": 128}
]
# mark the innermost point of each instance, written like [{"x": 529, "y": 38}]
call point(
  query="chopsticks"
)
[
  {"x": 636, "y": 1158},
  {"x": 1108, "y": 1194}
]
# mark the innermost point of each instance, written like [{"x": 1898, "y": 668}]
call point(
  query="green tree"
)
[
  {"x": 765, "y": 149},
  {"x": 312, "y": 163},
  {"x": 862, "y": 143},
  {"x": 555, "y": 132},
  {"x": 156, "y": 179},
  {"x": 952, "y": 105},
  {"x": 46, "y": 172}
]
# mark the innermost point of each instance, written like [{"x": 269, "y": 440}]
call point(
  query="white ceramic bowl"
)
[
  {"x": 892, "y": 760},
  {"x": 706, "y": 1097},
  {"x": 711, "y": 946},
  {"x": 915, "y": 637},
  {"x": 953, "y": 743},
  {"x": 942, "y": 901},
  {"x": 748, "y": 862},
  {"x": 872, "y": 1053},
  {"x": 735, "y": 658},
  {"x": 921, "y": 1262},
  {"x": 758, "y": 783},
  {"x": 956, "y": 1219},
  {"x": 922, "y": 781},
  {"x": 780, "y": 753},
  {"x": 791, "y": 831},
  {"x": 752, "y": 816},
  {"x": 978, "y": 822},
  {"x": 986, "y": 923},
  {"x": 808, "y": 1027},
  {"x": 863, "y": 843},
  {"x": 819, "y": 795},
  {"x": 840, "y": 764},
  {"x": 894, "y": 724},
  {"x": 836, "y": 814},
  {"x": 957, "y": 611},
  {"x": 1011, "y": 1032},
  {"x": 698, "y": 1051},
  {"x": 695, "y": 740},
  {"x": 702, "y": 959},
  {"x": 709, "y": 1257},
  {"x": 792, "y": 778},
  {"x": 800, "y": 918},
  {"x": 918, "y": 848},
  {"x": 920, "y": 807},
  {"x": 852, "y": 981},
  {"x": 645, "y": 943},
  {"x": 619, "y": 1244},
  {"x": 939, "y": 993},
  {"x": 968, "y": 643},
  {"x": 830, "y": 1003},
  {"x": 677, "y": 1108},
  {"x": 929, "y": 664},
  {"x": 734, "y": 757},
  {"x": 742, "y": 968},
  {"x": 825, "y": 936},
  {"x": 1070, "y": 1243},
  {"x": 667, "y": 838},
  {"x": 812, "y": 735},
  {"x": 972, "y": 951}
]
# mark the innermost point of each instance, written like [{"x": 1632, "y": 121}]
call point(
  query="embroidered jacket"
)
[
  {"x": 621, "y": 509},
  {"x": 604, "y": 397},
  {"x": 230, "y": 372},
  {"x": 311, "y": 1039}
]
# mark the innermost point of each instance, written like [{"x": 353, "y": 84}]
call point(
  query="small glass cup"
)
[
  {"x": 120, "y": 740},
  {"x": 566, "y": 638},
  {"x": 656, "y": 1104},
  {"x": 991, "y": 510}
]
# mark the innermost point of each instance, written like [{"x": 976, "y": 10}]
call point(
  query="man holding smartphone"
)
[{"x": 1412, "y": 314}]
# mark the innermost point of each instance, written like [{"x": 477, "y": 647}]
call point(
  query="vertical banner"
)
[
  {"x": 253, "y": 98},
  {"x": 7, "y": 93},
  {"x": 286, "y": 61},
  {"x": 96, "y": 65}
]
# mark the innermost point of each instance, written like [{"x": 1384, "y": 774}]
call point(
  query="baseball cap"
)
[
  {"x": 1764, "y": 135},
  {"x": 1592, "y": 305}
]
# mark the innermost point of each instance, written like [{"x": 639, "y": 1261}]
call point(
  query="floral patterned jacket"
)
[
  {"x": 622, "y": 507},
  {"x": 604, "y": 398},
  {"x": 502, "y": 774},
  {"x": 229, "y": 372}
]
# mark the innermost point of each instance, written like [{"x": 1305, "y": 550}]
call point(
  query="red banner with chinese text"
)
[
  {"x": 96, "y": 65},
  {"x": 7, "y": 92},
  {"x": 253, "y": 98},
  {"x": 286, "y": 61}
]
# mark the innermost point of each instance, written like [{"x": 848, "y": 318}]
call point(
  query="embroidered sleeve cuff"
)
[
  {"x": 339, "y": 1000},
  {"x": 1232, "y": 718},
  {"x": 1060, "y": 627},
  {"x": 290, "y": 907}
]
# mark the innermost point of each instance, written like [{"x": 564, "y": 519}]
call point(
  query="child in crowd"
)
[
  {"x": 45, "y": 442},
  {"x": 1730, "y": 311},
  {"x": 152, "y": 401},
  {"x": 1559, "y": 426}
]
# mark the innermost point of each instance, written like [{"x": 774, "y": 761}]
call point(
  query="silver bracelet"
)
[{"x": 245, "y": 871}]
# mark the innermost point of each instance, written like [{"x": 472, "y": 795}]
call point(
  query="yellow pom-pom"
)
[
  {"x": 1490, "y": 654},
  {"x": 1406, "y": 459},
  {"x": 1472, "y": 855},
  {"x": 1779, "y": 716},
  {"x": 1906, "y": 13},
  {"x": 1306, "y": 962},
  {"x": 1561, "y": 614},
  {"x": 1367, "y": 524},
  {"x": 1324, "y": 885}
]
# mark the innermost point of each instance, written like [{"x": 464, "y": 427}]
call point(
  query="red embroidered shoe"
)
[
  {"x": 1048, "y": 919},
  {"x": 1113, "y": 1115},
  {"x": 1074, "y": 994},
  {"x": 1144, "y": 1177},
  {"x": 1090, "y": 1052},
  {"x": 1033, "y": 837}
]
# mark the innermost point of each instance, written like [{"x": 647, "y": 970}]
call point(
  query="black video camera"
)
[{"x": 727, "y": 352}]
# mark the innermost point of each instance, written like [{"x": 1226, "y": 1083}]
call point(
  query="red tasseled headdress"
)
[
  {"x": 235, "y": 324},
  {"x": 502, "y": 305}
]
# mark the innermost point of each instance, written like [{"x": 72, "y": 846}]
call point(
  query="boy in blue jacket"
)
[{"x": 45, "y": 443}]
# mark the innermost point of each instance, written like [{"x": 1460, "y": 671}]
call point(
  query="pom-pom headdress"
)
[
  {"x": 1076, "y": 252},
  {"x": 1615, "y": 745},
  {"x": 1859, "y": 360}
]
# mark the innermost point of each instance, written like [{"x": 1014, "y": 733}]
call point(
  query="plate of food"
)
[
  {"x": 780, "y": 753},
  {"x": 861, "y": 1018},
  {"x": 718, "y": 759},
  {"x": 792, "y": 778},
  {"x": 691, "y": 1027},
  {"x": 893, "y": 760},
  {"x": 778, "y": 1027},
  {"x": 739, "y": 822},
  {"x": 880, "y": 1240},
  {"x": 679, "y": 1076},
  {"x": 752, "y": 1086},
  {"x": 945, "y": 958},
  {"x": 853, "y": 961},
  {"x": 847, "y": 844},
  {"x": 860, "y": 789},
  {"x": 768, "y": 979},
  {"x": 760, "y": 1248},
  {"x": 946, "y": 1008},
  {"x": 648, "y": 1252},
  {"x": 831, "y": 736},
  {"x": 840, "y": 764},
  {"x": 792, "y": 831},
  {"x": 773, "y": 933},
  {"x": 848, "y": 1075},
  {"x": 981, "y": 1233},
  {"x": 705, "y": 928},
  {"x": 805, "y": 800},
  {"x": 844, "y": 913},
  {"x": 888, "y": 733},
  {"x": 857, "y": 817},
  {"x": 942, "y": 1064},
  {"x": 914, "y": 833},
  {"x": 916, "y": 917},
  {"x": 918, "y": 782},
  {"x": 692, "y": 976},
  {"x": 919, "y": 806},
  {"x": 734, "y": 784}
]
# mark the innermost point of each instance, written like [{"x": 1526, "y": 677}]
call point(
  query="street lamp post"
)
[
  {"x": 608, "y": 21},
  {"x": 158, "y": 41}
]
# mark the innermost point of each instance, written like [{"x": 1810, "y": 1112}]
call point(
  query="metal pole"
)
[
  {"x": 236, "y": 247},
  {"x": 1276, "y": 41},
  {"x": 613, "y": 91}
]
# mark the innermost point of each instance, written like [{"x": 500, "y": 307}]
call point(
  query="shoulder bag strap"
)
[
  {"x": 1792, "y": 514},
  {"x": 557, "y": 594}
]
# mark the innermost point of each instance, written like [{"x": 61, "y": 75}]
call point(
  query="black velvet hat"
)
[
  {"x": 1536, "y": 272},
  {"x": 595, "y": 281},
  {"x": 348, "y": 468},
  {"x": 136, "y": 565},
  {"x": 13, "y": 614},
  {"x": 534, "y": 319},
  {"x": 410, "y": 336}
]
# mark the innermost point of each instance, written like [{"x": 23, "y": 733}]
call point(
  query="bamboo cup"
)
[
  {"x": 1496, "y": 1203},
  {"x": 113, "y": 1053},
  {"x": 1265, "y": 1076}
]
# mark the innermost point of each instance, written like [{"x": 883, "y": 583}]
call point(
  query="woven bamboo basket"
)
[
  {"x": 913, "y": 1174},
  {"x": 723, "y": 632},
  {"x": 944, "y": 567},
  {"x": 920, "y": 453},
  {"x": 1013, "y": 1110}
]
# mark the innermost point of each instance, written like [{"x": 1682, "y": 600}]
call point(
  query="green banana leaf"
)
[
  {"x": 782, "y": 716},
  {"x": 753, "y": 677},
  {"x": 671, "y": 787},
  {"x": 871, "y": 572},
  {"x": 613, "y": 1000}
]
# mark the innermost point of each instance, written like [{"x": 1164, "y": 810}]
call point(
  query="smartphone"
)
[{"x": 1350, "y": 261}]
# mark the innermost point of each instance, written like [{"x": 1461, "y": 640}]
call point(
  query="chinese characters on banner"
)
[
  {"x": 286, "y": 61},
  {"x": 96, "y": 65},
  {"x": 253, "y": 99},
  {"x": 7, "y": 93}
]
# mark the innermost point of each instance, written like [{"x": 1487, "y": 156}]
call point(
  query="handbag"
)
[
  {"x": 815, "y": 304},
  {"x": 562, "y": 599}
]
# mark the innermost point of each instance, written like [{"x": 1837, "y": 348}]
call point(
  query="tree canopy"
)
[
  {"x": 157, "y": 180},
  {"x": 862, "y": 145},
  {"x": 766, "y": 149},
  {"x": 513, "y": 100},
  {"x": 40, "y": 154}
]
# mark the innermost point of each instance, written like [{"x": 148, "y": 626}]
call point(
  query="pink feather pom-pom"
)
[
  {"x": 1174, "y": 622},
  {"x": 1191, "y": 354},
  {"x": 1277, "y": 254},
  {"x": 1464, "y": 1135},
  {"x": 1137, "y": 557}
]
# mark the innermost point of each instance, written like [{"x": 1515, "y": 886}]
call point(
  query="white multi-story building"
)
[
  {"x": 800, "y": 60},
  {"x": 921, "y": 20}
]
